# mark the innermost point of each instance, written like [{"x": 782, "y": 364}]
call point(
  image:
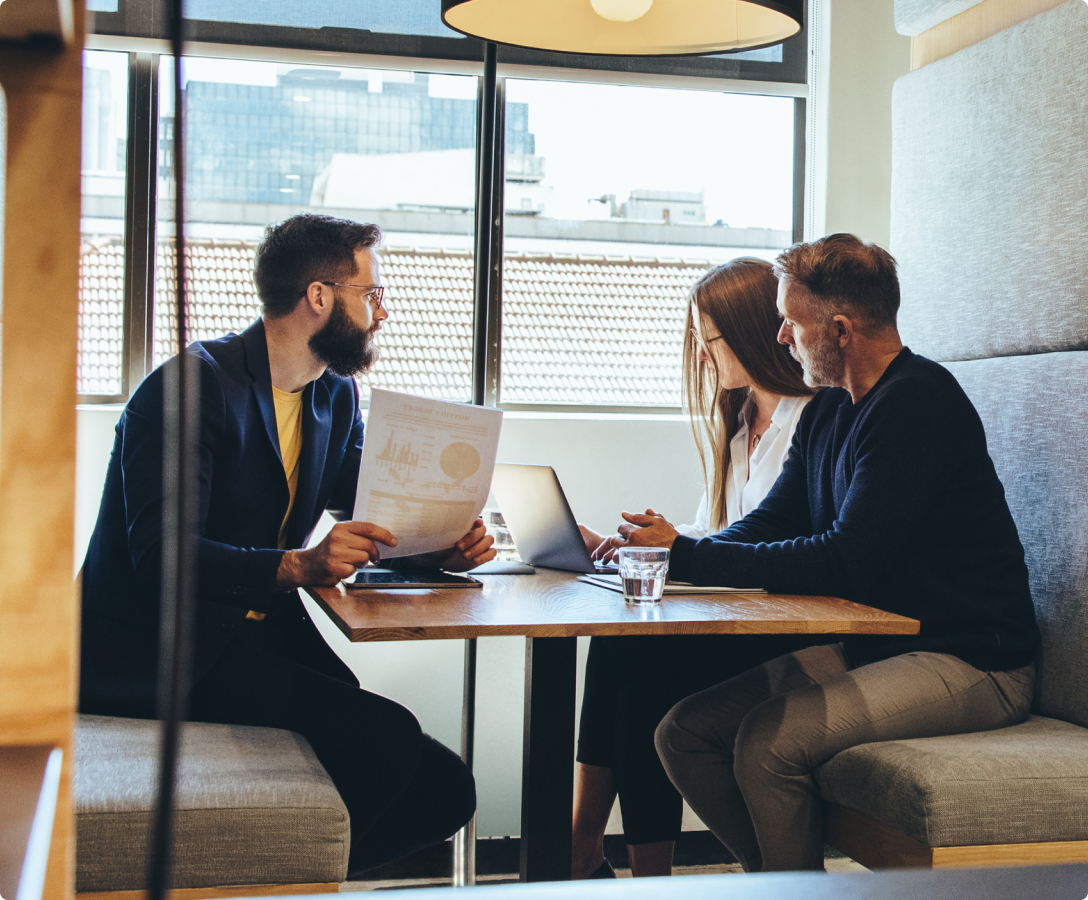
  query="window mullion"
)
[
  {"x": 140, "y": 219},
  {"x": 488, "y": 208},
  {"x": 493, "y": 361},
  {"x": 799, "y": 169}
]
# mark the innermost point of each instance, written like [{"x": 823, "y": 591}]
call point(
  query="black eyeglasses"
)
[
  {"x": 375, "y": 293},
  {"x": 699, "y": 339}
]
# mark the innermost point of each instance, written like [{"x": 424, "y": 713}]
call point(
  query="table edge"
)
[{"x": 893, "y": 626}]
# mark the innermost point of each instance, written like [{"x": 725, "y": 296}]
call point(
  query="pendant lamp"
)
[{"x": 628, "y": 27}]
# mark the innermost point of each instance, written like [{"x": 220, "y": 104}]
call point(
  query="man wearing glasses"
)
[{"x": 280, "y": 442}]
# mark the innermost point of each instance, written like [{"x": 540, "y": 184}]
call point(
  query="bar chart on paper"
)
[
  {"x": 426, "y": 469},
  {"x": 399, "y": 460}
]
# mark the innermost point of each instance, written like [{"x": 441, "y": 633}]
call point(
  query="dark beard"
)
[{"x": 344, "y": 347}]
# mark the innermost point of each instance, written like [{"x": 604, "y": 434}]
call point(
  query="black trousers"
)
[
  {"x": 402, "y": 788},
  {"x": 631, "y": 683}
]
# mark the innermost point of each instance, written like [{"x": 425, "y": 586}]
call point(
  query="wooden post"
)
[{"x": 39, "y": 607}]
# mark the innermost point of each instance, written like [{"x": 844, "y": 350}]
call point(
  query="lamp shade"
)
[{"x": 628, "y": 27}]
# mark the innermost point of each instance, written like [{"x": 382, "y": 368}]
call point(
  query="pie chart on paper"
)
[{"x": 459, "y": 461}]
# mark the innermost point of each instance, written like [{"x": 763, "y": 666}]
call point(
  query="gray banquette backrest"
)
[{"x": 990, "y": 229}]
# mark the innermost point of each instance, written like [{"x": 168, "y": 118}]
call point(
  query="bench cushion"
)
[
  {"x": 254, "y": 806},
  {"x": 1023, "y": 784}
]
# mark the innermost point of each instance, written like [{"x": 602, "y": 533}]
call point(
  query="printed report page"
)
[{"x": 426, "y": 469}]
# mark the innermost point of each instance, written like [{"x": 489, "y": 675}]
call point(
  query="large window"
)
[
  {"x": 624, "y": 199},
  {"x": 265, "y": 141},
  {"x": 615, "y": 197}
]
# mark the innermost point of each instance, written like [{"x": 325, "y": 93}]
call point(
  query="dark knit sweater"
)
[{"x": 892, "y": 502}]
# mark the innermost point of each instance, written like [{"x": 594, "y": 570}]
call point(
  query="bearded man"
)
[
  {"x": 889, "y": 498},
  {"x": 280, "y": 441}
]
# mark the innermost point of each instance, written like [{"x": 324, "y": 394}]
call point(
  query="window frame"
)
[
  {"x": 145, "y": 19},
  {"x": 142, "y": 153}
]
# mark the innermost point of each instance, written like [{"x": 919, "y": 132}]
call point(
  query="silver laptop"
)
[{"x": 539, "y": 518}]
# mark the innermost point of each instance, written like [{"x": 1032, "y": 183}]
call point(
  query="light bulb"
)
[{"x": 621, "y": 10}]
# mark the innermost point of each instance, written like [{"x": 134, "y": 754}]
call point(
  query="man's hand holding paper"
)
[
  {"x": 347, "y": 547},
  {"x": 474, "y": 549}
]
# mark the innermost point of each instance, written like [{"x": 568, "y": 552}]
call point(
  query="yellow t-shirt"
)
[{"x": 289, "y": 425}]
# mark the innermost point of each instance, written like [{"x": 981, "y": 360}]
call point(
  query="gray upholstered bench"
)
[
  {"x": 1014, "y": 795},
  {"x": 254, "y": 808},
  {"x": 990, "y": 242}
]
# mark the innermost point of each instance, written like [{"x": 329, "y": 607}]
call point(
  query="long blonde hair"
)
[{"x": 740, "y": 299}]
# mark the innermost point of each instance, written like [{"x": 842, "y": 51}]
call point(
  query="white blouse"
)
[{"x": 751, "y": 479}]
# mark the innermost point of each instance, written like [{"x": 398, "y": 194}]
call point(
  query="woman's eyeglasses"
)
[{"x": 699, "y": 339}]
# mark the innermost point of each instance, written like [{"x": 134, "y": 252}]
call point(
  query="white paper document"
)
[{"x": 426, "y": 469}]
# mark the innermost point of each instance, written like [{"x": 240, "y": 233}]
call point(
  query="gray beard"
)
[{"x": 824, "y": 365}]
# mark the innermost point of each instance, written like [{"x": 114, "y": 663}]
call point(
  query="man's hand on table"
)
[
  {"x": 640, "y": 530},
  {"x": 474, "y": 549},
  {"x": 348, "y": 546},
  {"x": 645, "y": 530}
]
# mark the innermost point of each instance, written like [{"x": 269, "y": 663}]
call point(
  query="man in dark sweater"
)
[{"x": 888, "y": 498}]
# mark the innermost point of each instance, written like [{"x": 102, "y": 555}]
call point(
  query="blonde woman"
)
[{"x": 745, "y": 395}]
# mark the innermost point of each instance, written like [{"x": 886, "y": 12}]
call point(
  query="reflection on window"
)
[
  {"x": 625, "y": 198},
  {"x": 416, "y": 17},
  {"x": 101, "y": 296},
  {"x": 765, "y": 54},
  {"x": 265, "y": 141}
]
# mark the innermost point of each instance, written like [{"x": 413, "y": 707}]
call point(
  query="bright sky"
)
[{"x": 606, "y": 139}]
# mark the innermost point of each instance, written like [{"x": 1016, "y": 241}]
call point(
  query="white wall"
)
[
  {"x": 605, "y": 465},
  {"x": 866, "y": 56}
]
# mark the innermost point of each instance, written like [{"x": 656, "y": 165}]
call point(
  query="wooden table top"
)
[{"x": 556, "y": 604}]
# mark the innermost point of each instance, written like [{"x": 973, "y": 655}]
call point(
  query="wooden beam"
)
[
  {"x": 878, "y": 846},
  {"x": 971, "y": 26},
  {"x": 39, "y": 610},
  {"x": 37, "y": 20},
  {"x": 871, "y": 843},
  {"x": 1050, "y": 853}
]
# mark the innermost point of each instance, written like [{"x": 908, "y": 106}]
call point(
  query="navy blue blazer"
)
[{"x": 243, "y": 499}]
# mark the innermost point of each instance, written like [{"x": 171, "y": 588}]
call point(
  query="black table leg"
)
[
  {"x": 547, "y": 777},
  {"x": 464, "y": 842}
]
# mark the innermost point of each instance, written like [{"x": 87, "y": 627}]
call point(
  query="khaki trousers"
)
[{"x": 742, "y": 752}]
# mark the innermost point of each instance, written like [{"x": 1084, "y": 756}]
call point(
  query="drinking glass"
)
[
  {"x": 504, "y": 543},
  {"x": 643, "y": 571}
]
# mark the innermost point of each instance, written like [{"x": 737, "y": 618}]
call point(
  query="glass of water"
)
[
  {"x": 643, "y": 571},
  {"x": 504, "y": 543}
]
